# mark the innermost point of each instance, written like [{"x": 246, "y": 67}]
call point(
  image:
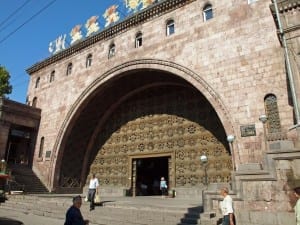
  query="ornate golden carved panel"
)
[{"x": 159, "y": 121}]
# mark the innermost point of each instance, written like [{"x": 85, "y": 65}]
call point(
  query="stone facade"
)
[
  {"x": 23, "y": 120},
  {"x": 235, "y": 62}
]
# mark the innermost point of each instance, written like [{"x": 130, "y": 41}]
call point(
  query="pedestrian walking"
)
[
  {"x": 297, "y": 206},
  {"x": 226, "y": 207},
  {"x": 93, "y": 190},
  {"x": 163, "y": 187}
]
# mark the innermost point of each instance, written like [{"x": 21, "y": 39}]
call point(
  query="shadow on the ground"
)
[
  {"x": 8, "y": 221},
  {"x": 192, "y": 216},
  {"x": 100, "y": 204}
]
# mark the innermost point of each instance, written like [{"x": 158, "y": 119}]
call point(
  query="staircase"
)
[
  {"x": 117, "y": 211},
  {"x": 24, "y": 179}
]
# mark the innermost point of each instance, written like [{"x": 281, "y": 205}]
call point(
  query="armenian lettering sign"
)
[
  {"x": 111, "y": 16},
  {"x": 248, "y": 130}
]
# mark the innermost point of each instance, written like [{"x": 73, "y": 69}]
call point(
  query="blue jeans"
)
[{"x": 226, "y": 220}]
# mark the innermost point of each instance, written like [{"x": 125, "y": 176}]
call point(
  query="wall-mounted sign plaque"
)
[{"x": 248, "y": 130}]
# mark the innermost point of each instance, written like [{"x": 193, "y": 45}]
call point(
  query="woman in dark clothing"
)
[{"x": 73, "y": 215}]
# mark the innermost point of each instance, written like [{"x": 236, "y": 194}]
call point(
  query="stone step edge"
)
[{"x": 107, "y": 205}]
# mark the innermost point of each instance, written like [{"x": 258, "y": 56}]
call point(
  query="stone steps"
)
[
  {"x": 24, "y": 176},
  {"x": 128, "y": 211}
]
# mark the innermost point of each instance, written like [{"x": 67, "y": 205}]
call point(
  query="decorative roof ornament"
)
[
  {"x": 147, "y": 3},
  {"x": 111, "y": 15},
  {"x": 92, "y": 25},
  {"x": 136, "y": 5},
  {"x": 76, "y": 34},
  {"x": 57, "y": 45},
  {"x": 133, "y": 5}
]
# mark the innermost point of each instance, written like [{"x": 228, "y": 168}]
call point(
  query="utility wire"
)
[
  {"x": 27, "y": 21},
  {"x": 8, "y": 24},
  {"x": 14, "y": 13}
]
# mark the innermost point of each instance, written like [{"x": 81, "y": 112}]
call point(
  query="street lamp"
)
[
  {"x": 204, "y": 161},
  {"x": 230, "y": 139},
  {"x": 263, "y": 118}
]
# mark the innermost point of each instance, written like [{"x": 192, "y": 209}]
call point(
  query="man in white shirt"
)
[
  {"x": 93, "y": 190},
  {"x": 227, "y": 208},
  {"x": 297, "y": 206}
]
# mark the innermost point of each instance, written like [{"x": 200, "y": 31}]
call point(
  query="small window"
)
[
  {"x": 170, "y": 27},
  {"x": 34, "y": 102},
  {"x": 138, "y": 40},
  {"x": 89, "y": 60},
  {"x": 52, "y": 76},
  {"x": 41, "y": 150},
  {"x": 207, "y": 12},
  {"x": 112, "y": 50},
  {"x": 69, "y": 69},
  {"x": 37, "y": 82}
]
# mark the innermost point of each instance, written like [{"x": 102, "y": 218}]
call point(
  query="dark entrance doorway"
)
[
  {"x": 18, "y": 150},
  {"x": 148, "y": 174}
]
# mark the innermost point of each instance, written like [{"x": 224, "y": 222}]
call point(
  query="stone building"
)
[
  {"x": 149, "y": 95},
  {"x": 19, "y": 125}
]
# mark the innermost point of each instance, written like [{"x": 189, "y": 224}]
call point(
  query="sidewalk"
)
[{"x": 29, "y": 219}]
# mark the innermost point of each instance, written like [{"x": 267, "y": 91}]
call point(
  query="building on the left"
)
[{"x": 19, "y": 124}]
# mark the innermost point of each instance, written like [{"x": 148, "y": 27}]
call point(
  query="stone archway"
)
[
  {"x": 175, "y": 120},
  {"x": 127, "y": 81}
]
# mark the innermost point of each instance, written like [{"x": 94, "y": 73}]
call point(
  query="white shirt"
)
[
  {"x": 163, "y": 184},
  {"x": 297, "y": 211},
  {"x": 226, "y": 206},
  {"x": 94, "y": 183}
]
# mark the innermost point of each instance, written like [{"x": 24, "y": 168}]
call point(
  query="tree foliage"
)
[{"x": 5, "y": 87}]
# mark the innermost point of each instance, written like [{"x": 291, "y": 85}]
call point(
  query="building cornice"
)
[
  {"x": 12, "y": 107},
  {"x": 151, "y": 12},
  {"x": 285, "y": 5}
]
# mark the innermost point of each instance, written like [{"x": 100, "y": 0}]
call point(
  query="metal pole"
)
[
  {"x": 232, "y": 155},
  {"x": 8, "y": 152},
  {"x": 265, "y": 137},
  {"x": 289, "y": 70},
  {"x": 205, "y": 171}
]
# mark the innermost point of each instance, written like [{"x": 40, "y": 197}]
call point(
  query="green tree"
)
[{"x": 5, "y": 87}]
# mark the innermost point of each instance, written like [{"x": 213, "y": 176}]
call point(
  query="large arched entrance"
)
[{"x": 141, "y": 120}]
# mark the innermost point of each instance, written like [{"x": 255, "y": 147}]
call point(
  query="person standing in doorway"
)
[
  {"x": 73, "y": 215},
  {"x": 297, "y": 206},
  {"x": 163, "y": 187},
  {"x": 226, "y": 207},
  {"x": 93, "y": 190}
]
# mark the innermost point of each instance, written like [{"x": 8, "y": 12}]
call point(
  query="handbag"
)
[{"x": 97, "y": 199}]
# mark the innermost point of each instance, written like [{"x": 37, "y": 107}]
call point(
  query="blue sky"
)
[{"x": 24, "y": 43}]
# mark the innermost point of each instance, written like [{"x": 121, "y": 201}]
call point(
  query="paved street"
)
[{"x": 27, "y": 219}]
